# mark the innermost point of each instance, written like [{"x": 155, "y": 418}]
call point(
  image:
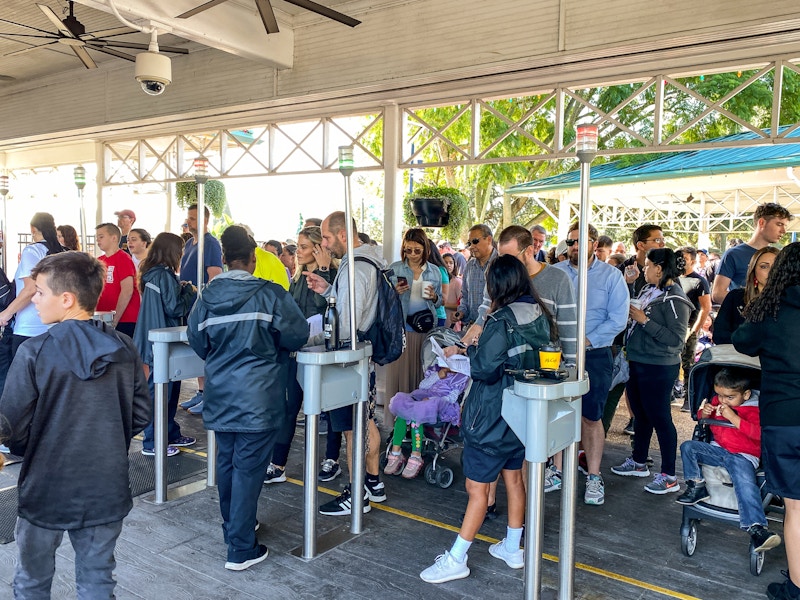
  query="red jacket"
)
[{"x": 747, "y": 438}]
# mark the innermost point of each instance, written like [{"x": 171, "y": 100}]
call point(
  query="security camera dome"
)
[{"x": 153, "y": 71}]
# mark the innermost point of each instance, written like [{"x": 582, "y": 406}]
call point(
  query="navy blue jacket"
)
[{"x": 244, "y": 328}]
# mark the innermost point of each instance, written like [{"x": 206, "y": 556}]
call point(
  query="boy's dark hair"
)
[
  {"x": 73, "y": 272},
  {"x": 111, "y": 229},
  {"x": 641, "y": 233},
  {"x": 771, "y": 210},
  {"x": 733, "y": 379},
  {"x": 516, "y": 232},
  {"x": 237, "y": 244},
  {"x": 277, "y": 245},
  {"x": 604, "y": 241},
  {"x": 690, "y": 250},
  {"x": 206, "y": 212}
]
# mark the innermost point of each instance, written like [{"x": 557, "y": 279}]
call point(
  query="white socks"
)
[
  {"x": 460, "y": 549},
  {"x": 513, "y": 537}
]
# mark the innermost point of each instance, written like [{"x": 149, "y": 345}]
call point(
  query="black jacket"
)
[
  {"x": 310, "y": 302},
  {"x": 165, "y": 303},
  {"x": 729, "y": 317},
  {"x": 244, "y": 328},
  {"x": 510, "y": 340},
  {"x": 660, "y": 340},
  {"x": 777, "y": 343},
  {"x": 74, "y": 398}
]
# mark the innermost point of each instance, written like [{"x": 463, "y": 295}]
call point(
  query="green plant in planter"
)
[
  {"x": 186, "y": 195},
  {"x": 455, "y": 204}
]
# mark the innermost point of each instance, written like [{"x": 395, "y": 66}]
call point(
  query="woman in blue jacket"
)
[
  {"x": 516, "y": 326},
  {"x": 244, "y": 328}
]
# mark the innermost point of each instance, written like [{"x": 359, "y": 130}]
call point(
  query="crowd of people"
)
[{"x": 647, "y": 313}]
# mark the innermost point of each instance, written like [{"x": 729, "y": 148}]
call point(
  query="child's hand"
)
[{"x": 707, "y": 410}]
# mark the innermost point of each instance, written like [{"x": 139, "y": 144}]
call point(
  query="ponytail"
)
[{"x": 46, "y": 225}]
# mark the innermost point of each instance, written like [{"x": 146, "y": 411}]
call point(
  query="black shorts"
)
[
  {"x": 484, "y": 468},
  {"x": 341, "y": 419},
  {"x": 600, "y": 368},
  {"x": 780, "y": 453}
]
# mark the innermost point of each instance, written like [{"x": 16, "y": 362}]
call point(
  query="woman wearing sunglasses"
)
[{"x": 419, "y": 284}]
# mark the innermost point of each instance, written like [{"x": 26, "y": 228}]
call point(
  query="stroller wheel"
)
[
  {"x": 689, "y": 538},
  {"x": 430, "y": 474},
  {"x": 756, "y": 561},
  {"x": 444, "y": 477}
]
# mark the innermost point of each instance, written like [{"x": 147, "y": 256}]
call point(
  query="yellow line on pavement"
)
[{"x": 484, "y": 538}]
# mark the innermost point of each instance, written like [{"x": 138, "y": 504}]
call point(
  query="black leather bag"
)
[{"x": 422, "y": 321}]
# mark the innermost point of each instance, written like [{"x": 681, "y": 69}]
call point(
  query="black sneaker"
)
[
  {"x": 678, "y": 391},
  {"x": 342, "y": 504},
  {"x": 629, "y": 428},
  {"x": 695, "y": 492},
  {"x": 329, "y": 471},
  {"x": 781, "y": 591},
  {"x": 376, "y": 492},
  {"x": 275, "y": 474},
  {"x": 763, "y": 538},
  {"x": 241, "y": 566}
]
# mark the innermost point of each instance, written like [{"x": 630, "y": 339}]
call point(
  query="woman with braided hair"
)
[{"x": 770, "y": 331}]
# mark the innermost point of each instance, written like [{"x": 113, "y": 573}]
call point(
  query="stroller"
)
[
  {"x": 439, "y": 438},
  {"x": 722, "y": 506}
]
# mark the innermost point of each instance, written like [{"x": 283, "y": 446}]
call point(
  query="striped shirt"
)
[{"x": 472, "y": 287}]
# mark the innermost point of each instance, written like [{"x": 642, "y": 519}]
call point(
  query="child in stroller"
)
[
  {"x": 737, "y": 448},
  {"x": 724, "y": 482}
]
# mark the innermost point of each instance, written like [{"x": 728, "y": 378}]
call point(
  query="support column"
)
[
  {"x": 392, "y": 182},
  {"x": 100, "y": 157}
]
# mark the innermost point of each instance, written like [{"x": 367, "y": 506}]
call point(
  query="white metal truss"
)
[
  {"x": 272, "y": 149},
  {"x": 472, "y": 130}
]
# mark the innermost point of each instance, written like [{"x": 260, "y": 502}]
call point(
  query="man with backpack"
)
[{"x": 367, "y": 280}]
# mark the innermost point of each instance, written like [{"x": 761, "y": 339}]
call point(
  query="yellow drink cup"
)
[{"x": 550, "y": 358}]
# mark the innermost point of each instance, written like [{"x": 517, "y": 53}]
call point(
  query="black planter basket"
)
[{"x": 430, "y": 212}]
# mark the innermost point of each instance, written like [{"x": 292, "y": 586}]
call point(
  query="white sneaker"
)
[
  {"x": 445, "y": 568},
  {"x": 515, "y": 560}
]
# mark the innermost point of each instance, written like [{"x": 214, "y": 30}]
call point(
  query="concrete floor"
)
[{"x": 629, "y": 548}]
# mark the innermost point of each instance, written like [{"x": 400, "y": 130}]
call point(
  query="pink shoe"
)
[
  {"x": 413, "y": 466},
  {"x": 394, "y": 465}
]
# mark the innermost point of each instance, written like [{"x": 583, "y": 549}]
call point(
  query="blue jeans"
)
[
  {"x": 94, "y": 560},
  {"x": 741, "y": 470},
  {"x": 173, "y": 429},
  {"x": 242, "y": 459}
]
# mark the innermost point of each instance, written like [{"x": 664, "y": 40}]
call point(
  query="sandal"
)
[
  {"x": 394, "y": 464},
  {"x": 413, "y": 467}
]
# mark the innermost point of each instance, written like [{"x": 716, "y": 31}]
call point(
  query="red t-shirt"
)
[{"x": 119, "y": 266}]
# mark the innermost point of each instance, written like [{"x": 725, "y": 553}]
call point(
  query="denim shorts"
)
[
  {"x": 780, "y": 452},
  {"x": 484, "y": 468}
]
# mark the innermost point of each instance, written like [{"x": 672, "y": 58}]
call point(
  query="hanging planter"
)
[
  {"x": 186, "y": 195},
  {"x": 434, "y": 206}
]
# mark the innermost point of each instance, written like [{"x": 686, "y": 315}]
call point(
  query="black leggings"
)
[{"x": 649, "y": 392}]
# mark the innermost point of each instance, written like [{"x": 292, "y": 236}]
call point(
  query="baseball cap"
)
[{"x": 126, "y": 213}]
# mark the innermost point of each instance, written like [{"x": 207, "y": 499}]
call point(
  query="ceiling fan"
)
[
  {"x": 268, "y": 16},
  {"x": 72, "y": 33}
]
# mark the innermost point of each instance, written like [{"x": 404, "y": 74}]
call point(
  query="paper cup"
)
[
  {"x": 427, "y": 290},
  {"x": 549, "y": 358},
  {"x": 636, "y": 303}
]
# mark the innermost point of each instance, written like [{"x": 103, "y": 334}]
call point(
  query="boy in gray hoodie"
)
[{"x": 72, "y": 419}]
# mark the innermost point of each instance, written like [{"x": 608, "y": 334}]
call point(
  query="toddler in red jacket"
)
[{"x": 737, "y": 448}]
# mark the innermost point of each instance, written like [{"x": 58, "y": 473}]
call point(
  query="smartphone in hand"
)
[{"x": 402, "y": 281}]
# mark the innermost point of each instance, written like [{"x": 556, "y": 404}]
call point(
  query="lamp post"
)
[
  {"x": 200, "y": 178},
  {"x": 80, "y": 182},
  {"x": 3, "y": 193},
  {"x": 586, "y": 150}
]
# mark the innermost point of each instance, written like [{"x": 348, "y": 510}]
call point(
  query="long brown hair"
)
[
  {"x": 165, "y": 250},
  {"x": 71, "y": 241},
  {"x": 418, "y": 236},
  {"x": 751, "y": 285}
]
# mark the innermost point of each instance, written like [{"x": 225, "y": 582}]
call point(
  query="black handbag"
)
[{"x": 422, "y": 321}]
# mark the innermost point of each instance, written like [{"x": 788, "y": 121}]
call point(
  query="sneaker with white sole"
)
[
  {"x": 171, "y": 451},
  {"x": 342, "y": 504},
  {"x": 329, "y": 471},
  {"x": 263, "y": 552},
  {"x": 595, "y": 493},
  {"x": 515, "y": 560},
  {"x": 663, "y": 484},
  {"x": 193, "y": 401},
  {"x": 445, "y": 568},
  {"x": 197, "y": 409},
  {"x": 630, "y": 468},
  {"x": 183, "y": 441},
  {"x": 376, "y": 492},
  {"x": 275, "y": 474},
  {"x": 552, "y": 479}
]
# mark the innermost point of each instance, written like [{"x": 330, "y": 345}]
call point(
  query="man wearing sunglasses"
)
[
  {"x": 645, "y": 238},
  {"x": 606, "y": 315},
  {"x": 474, "y": 276}
]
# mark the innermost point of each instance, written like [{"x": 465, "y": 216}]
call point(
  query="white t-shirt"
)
[{"x": 27, "y": 321}]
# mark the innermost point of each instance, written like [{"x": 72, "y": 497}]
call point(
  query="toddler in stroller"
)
[
  {"x": 435, "y": 401},
  {"x": 725, "y": 450}
]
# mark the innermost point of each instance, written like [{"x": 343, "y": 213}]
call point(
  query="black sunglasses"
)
[
  {"x": 474, "y": 241},
  {"x": 571, "y": 243}
]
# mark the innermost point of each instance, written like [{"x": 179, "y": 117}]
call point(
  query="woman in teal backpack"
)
[{"x": 516, "y": 326}]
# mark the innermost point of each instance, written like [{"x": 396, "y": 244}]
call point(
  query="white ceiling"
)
[{"x": 233, "y": 26}]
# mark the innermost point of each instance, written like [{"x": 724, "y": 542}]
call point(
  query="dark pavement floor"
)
[{"x": 629, "y": 548}]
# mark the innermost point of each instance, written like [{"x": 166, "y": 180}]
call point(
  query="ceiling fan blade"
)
[
  {"x": 325, "y": 12},
  {"x": 62, "y": 29},
  {"x": 104, "y": 33},
  {"x": 28, "y": 49},
  {"x": 30, "y": 35},
  {"x": 111, "y": 52},
  {"x": 25, "y": 26},
  {"x": 267, "y": 16},
  {"x": 82, "y": 54},
  {"x": 199, "y": 9}
]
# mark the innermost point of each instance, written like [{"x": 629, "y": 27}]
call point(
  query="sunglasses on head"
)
[
  {"x": 414, "y": 251},
  {"x": 571, "y": 243}
]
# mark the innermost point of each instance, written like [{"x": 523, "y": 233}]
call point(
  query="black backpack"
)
[
  {"x": 388, "y": 332},
  {"x": 8, "y": 291}
]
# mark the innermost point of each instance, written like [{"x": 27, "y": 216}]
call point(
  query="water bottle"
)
[{"x": 331, "y": 325}]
